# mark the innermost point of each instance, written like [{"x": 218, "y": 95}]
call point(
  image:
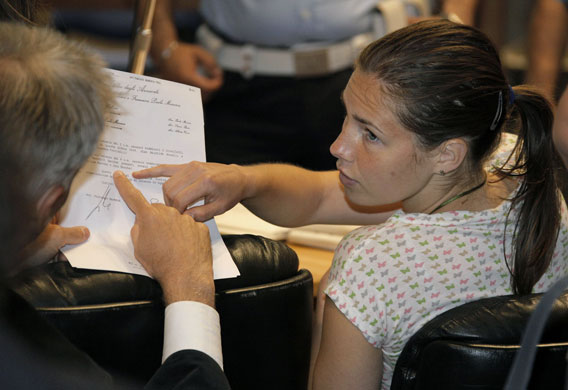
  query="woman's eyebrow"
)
[
  {"x": 358, "y": 118},
  {"x": 367, "y": 123},
  {"x": 362, "y": 120}
]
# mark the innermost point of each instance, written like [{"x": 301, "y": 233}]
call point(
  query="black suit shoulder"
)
[
  {"x": 36, "y": 355},
  {"x": 189, "y": 369}
]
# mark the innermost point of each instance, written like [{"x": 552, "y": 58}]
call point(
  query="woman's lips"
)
[{"x": 346, "y": 180}]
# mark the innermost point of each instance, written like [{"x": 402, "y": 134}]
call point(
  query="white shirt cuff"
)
[{"x": 192, "y": 325}]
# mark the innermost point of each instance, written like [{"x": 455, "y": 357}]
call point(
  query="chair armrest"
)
[{"x": 260, "y": 260}]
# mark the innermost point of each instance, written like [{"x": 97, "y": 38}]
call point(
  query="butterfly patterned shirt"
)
[{"x": 390, "y": 279}]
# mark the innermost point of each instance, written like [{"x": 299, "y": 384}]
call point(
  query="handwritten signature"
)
[{"x": 102, "y": 203}]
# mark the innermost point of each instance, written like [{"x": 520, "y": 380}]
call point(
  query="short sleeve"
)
[{"x": 353, "y": 288}]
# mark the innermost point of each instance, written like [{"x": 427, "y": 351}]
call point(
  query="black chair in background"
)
[{"x": 473, "y": 347}]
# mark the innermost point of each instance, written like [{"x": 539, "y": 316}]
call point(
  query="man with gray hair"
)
[{"x": 53, "y": 97}]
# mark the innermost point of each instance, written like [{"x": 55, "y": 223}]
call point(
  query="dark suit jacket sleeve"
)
[{"x": 189, "y": 369}]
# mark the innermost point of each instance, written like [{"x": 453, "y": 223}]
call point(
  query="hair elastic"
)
[
  {"x": 511, "y": 95},
  {"x": 498, "y": 113}
]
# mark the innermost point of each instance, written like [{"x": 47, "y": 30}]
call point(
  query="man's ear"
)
[
  {"x": 51, "y": 201},
  {"x": 451, "y": 155}
]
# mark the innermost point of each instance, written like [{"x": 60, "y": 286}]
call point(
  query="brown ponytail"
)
[{"x": 537, "y": 162}]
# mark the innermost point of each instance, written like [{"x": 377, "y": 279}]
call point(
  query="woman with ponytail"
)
[{"x": 451, "y": 170}]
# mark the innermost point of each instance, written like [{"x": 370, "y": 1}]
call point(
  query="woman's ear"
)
[{"x": 451, "y": 155}]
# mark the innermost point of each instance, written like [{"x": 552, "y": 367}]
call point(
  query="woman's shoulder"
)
[
  {"x": 393, "y": 232},
  {"x": 390, "y": 227}
]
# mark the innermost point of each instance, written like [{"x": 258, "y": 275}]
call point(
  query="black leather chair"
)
[
  {"x": 117, "y": 319},
  {"x": 473, "y": 346}
]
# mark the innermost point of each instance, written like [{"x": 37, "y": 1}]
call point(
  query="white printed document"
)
[{"x": 153, "y": 122}]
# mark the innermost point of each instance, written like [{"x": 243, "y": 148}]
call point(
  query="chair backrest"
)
[
  {"x": 117, "y": 319},
  {"x": 473, "y": 346}
]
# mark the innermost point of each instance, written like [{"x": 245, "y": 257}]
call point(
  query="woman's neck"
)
[{"x": 481, "y": 193}]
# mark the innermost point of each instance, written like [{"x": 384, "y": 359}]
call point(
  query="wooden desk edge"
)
[{"x": 315, "y": 260}]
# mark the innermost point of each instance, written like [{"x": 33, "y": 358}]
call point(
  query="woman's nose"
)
[{"x": 340, "y": 148}]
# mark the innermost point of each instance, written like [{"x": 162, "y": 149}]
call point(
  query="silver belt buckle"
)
[{"x": 311, "y": 63}]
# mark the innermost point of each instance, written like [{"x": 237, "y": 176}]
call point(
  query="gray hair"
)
[{"x": 53, "y": 99}]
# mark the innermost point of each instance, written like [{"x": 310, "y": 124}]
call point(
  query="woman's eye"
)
[{"x": 371, "y": 136}]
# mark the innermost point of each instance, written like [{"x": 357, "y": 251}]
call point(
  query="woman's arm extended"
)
[
  {"x": 345, "y": 359},
  {"x": 282, "y": 194}
]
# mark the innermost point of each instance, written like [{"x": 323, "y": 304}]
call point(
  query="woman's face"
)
[{"x": 379, "y": 161}]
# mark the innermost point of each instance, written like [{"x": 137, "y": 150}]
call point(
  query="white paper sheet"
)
[
  {"x": 239, "y": 220},
  {"x": 154, "y": 122}
]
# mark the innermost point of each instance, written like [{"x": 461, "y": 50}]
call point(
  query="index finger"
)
[
  {"x": 131, "y": 195},
  {"x": 163, "y": 170}
]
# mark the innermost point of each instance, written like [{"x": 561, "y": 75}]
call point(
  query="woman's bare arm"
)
[
  {"x": 282, "y": 194},
  {"x": 345, "y": 359}
]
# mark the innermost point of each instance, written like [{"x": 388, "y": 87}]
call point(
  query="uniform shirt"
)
[{"x": 288, "y": 22}]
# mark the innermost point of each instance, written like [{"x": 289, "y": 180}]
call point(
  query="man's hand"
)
[
  {"x": 193, "y": 65},
  {"x": 173, "y": 248},
  {"x": 220, "y": 186},
  {"x": 48, "y": 243}
]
